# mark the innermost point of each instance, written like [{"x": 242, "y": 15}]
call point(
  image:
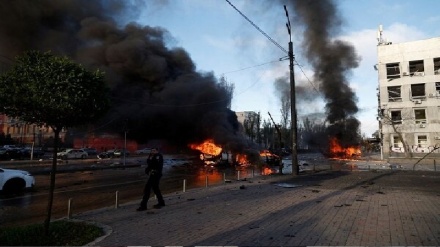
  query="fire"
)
[
  {"x": 337, "y": 151},
  {"x": 207, "y": 147},
  {"x": 266, "y": 171},
  {"x": 242, "y": 159},
  {"x": 267, "y": 153}
]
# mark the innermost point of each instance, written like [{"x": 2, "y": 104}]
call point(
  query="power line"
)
[
  {"x": 250, "y": 67},
  {"x": 300, "y": 67},
  {"x": 259, "y": 29}
]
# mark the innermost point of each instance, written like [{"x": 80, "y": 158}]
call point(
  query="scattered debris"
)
[
  {"x": 242, "y": 187},
  {"x": 339, "y": 205},
  {"x": 315, "y": 191},
  {"x": 190, "y": 199},
  {"x": 289, "y": 236}
]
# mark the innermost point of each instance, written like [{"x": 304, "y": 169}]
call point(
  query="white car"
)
[
  {"x": 15, "y": 181},
  {"x": 72, "y": 154}
]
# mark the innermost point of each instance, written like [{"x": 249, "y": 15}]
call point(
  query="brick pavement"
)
[{"x": 373, "y": 208}]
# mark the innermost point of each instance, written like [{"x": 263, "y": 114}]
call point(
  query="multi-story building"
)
[
  {"x": 409, "y": 97},
  {"x": 23, "y": 133}
]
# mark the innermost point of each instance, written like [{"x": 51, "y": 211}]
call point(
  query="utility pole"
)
[{"x": 295, "y": 167}]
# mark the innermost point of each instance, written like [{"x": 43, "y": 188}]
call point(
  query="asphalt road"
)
[{"x": 92, "y": 185}]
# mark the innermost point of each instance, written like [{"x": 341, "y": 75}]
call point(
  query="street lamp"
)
[{"x": 295, "y": 167}]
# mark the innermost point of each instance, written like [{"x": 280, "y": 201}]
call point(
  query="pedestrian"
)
[{"x": 154, "y": 172}]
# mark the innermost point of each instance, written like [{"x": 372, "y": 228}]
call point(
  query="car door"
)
[{"x": 71, "y": 154}]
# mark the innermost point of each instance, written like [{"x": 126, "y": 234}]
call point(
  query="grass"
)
[{"x": 61, "y": 233}]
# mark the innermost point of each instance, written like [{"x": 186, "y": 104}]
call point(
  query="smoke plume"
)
[
  {"x": 332, "y": 61},
  {"x": 156, "y": 90}
]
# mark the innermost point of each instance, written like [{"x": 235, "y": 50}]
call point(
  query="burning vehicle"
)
[
  {"x": 270, "y": 158},
  {"x": 212, "y": 154},
  {"x": 337, "y": 151}
]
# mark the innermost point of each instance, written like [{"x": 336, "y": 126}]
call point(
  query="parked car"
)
[
  {"x": 90, "y": 151},
  {"x": 72, "y": 153},
  {"x": 120, "y": 153},
  {"x": 10, "y": 153},
  {"x": 143, "y": 151},
  {"x": 15, "y": 181},
  {"x": 113, "y": 153},
  {"x": 36, "y": 153}
]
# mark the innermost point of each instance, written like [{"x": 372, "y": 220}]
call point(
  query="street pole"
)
[{"x": 295, "y": 167}]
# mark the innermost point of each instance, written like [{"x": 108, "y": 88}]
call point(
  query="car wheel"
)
[
  {"x": 14, "y": 186},
  {"x": 83, "y": 156}
]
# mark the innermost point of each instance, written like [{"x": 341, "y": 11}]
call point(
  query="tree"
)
[{"x": 53, "y": 91}]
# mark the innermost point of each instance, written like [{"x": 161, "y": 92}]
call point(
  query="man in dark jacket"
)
[{"x": 154, "y": 170}]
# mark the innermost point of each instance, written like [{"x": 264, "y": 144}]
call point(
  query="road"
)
[{"x": 99, "y": 186}]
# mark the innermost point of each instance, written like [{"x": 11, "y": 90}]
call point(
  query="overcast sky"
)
[{"x": 221, "y": 41}]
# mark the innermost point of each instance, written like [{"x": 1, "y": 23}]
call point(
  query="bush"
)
[{"x": 61, "y": 233}]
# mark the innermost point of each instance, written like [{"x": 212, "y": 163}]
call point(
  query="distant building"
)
[{"x": 409, "y": 97}]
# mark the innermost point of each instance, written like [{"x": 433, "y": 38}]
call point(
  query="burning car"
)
[{"x": 270, "y": 158}]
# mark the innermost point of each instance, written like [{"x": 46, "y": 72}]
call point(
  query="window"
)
[
  {"x": 418, "y": 91},
  {"x": 396, "y": 117},
  {"x": 420, "y": 116},
  {"x": 393, "y": 70},
  {"x": 416, "y": 68},
  {"x": 437, "y": 87},
  {"x": 437, "y": 65},
  {"x": 422, "y": 141},
  {"x": 394, "y": 93},
  {"x": 396, "y": 142}
]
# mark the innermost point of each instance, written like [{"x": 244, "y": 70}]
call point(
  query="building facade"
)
[{"x": 409, "y": 97}]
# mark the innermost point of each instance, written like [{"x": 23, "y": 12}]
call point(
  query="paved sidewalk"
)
[{"x": 373, "y": 208}]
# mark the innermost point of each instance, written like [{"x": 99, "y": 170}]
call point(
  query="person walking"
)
[{"x": 154, "y": 170}]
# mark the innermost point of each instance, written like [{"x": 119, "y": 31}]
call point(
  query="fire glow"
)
[
  {"x": 242, "y": 159},
  {"x": 337, "y": 151},
  {"x": 207, "y": 147}
]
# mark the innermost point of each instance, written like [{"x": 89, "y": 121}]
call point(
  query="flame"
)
[
  {"x": 266, "y": 171},
  {"x": 207, "y": 147},
  {"x": 337, "y": 151},
  {"x": 242, "y": 159},
  {"x": 267, "y": 153}
]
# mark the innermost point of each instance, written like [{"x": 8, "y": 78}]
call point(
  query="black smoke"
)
[
  {"x": 156, "y": 90},
  {"x": 332, "y": 61}
]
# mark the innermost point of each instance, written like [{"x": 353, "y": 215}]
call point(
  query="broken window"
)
[
  {"x": 437, "y": 65},
  {"x": 437, "y": 88},
  {"x": 420, "y": 116},
  {"x": 422, "y": 141},
  {"x": 416, "y": 68},
  {"x": 396, "y": 117},
  {"x": 394, "y": 93},
  {"x": 393, "y": 70},
  {"x": 418, "y": 91}
]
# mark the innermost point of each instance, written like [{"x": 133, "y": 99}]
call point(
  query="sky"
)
[{"x": 221, "y": 41}]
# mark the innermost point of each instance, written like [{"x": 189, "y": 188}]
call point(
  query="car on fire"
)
[{"x": 15, "y": 181}]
